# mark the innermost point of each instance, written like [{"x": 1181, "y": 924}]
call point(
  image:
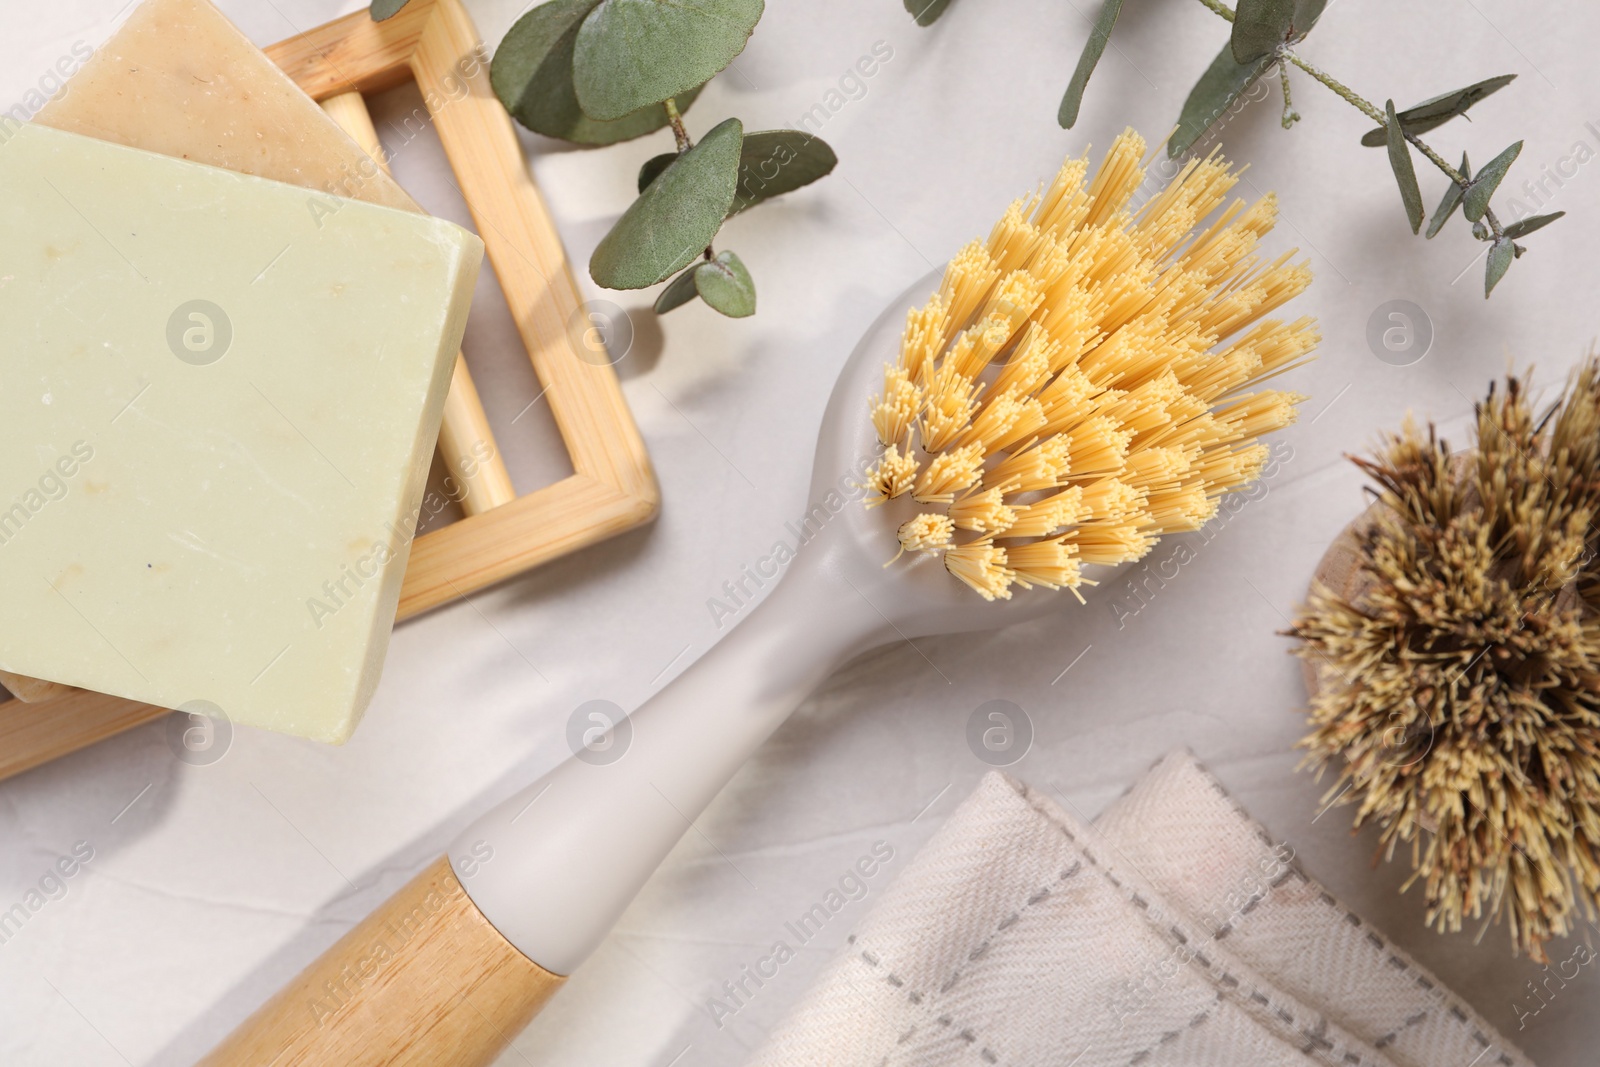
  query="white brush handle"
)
[{"x": 570, "y": 852}]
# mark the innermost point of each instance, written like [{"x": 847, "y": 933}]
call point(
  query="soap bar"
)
[
  {"x": 217, "y": 410},
  {"x": 180, "y": 79}
]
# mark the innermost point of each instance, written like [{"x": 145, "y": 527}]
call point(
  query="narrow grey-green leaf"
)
[
  {"x": 1436, "y": 111},
  {"x": 726, "y": 285},
  {"x": 1404, "y": 172},
  {"x": 675, "y": 218},
  {"x": 1501, "y": 253},
  {"x": 1476, "y": 202},
  {"x": 386, "y": 9},
  {"x": 532, "y": 76},
  {"x": 679, "y": 291},
  {"x": 1093, "y": 49},
  {"x": 1222, "y": 83},
  {"x": 1523, "y": 227},
  {"x": 1259, "y": 27},
  {"x": 771, "y": 163},
  {"x": 631, "y": 53},
  {"x": 1451, "y": 201},
  {"x": 926, "y": 12}
]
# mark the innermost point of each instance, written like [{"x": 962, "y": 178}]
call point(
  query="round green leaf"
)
[
  {"x": 675, "y": 218},
  {"x": 532, "y": 76},
  {"x": 1259, "y": 27},
  {"x": 726, "y": 285},
  {"x": 1222, "y": 83},
  {"x": 386, "y": 9},
  {"x": 771, "y": 163},
  {"x": 631, "y": 53},
  {"x": 679, "y": 291}
]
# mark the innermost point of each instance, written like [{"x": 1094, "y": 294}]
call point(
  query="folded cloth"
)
[{"x": 1174, "y": 932}]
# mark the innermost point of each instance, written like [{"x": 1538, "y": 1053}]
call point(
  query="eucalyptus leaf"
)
[
  {"x": 1222, "y": 83},
  {"x": 1435, "y": 112},
  {"x": 926, "y": 12},
  {"x": 532, "y": 76},
  {"x": 675, "y": 218},
  {"x": 1093, "y": 49},
  {"x": 771, "y": 163},
  {"x": 1501, "y": 253},
  {"x": 387, "y": 9},
  {"x": 632, "y": 53},
  {"x": 726, "y": 285},
  {"x": 1451, "y": 201},
  {"x": 1404, "y": 172},
  {"x": 1476, "y": 202},
  {"x": 679, "y": 291},
  {"x": 1523, "y": 227},
  {"x": 1260, "y": 27}
]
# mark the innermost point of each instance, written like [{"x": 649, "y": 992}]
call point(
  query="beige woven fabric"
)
[{"x": 1174, "y": 932}]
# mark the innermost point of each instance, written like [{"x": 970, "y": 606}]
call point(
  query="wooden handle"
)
[
  {"x": 424, "y": 981},
  {"x": 466, "y": 443}
]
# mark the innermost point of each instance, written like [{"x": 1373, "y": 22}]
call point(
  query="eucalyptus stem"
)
[
  {"x": 679, "y": 134},
  {"x": 1360, "y": 103}
]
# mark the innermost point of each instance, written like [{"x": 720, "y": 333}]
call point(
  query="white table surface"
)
[{"x": 211, "y": 885}]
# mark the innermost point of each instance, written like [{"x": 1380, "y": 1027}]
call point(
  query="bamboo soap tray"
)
[{"x": 612, "y": 488}]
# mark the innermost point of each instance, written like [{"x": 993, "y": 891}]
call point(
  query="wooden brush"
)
[{"x": 1062, "y": 401}]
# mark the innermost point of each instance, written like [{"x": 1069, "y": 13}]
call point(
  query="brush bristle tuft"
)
[{"x": 1077, "y": 384}]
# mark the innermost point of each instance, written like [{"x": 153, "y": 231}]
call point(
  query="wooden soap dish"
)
[{"x": 613, "y": 488}]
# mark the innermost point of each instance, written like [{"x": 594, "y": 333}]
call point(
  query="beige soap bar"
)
[
  {"x": 216, "y": 414},
  {"x": 180, "y": 79}
]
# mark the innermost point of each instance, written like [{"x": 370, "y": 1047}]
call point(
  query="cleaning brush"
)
[{"x": 1061, "y": 402}]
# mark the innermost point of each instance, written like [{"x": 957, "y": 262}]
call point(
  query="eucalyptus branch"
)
[
  {"x": 1350, "y": 96},
  {"x": 675, "y": 120}
]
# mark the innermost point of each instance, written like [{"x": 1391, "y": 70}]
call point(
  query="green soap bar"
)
[{"x": 218, "y": 404}]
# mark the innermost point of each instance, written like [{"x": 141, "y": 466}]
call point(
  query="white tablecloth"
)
[{"x": 208, "y": 886}]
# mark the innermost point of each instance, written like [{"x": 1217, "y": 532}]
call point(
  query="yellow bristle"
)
[
  {"x": 1109, "y": 544},
  {"x": 1079, "y": 379},
  {"x": 1029, "y": 364},
  {"x": 1065, "y": 204},
  {"x": 1008, "y": 417},
  {"x": 1119, "y": 175},
  {"x": 893, "y": 476},
  {"x": 1015, "y": 240},
  {"x": 1051, "y": 564},
  {"x": 1096, "y": 446},
  {"x": 948, "y": 404},
  {"x": 926, "y": 533},
  {"x": 1158, "y": 468},
  {"x": 967, "y": 281},
  {"x": 1111, "y": 500},
  {"x": 1044, "y": 517},
  {"x": 1040, "y": 466},
  {"x": 1018, "y": 296},
  {"x": 949, "y": 473},
  {"x": 894, "y": 411},
  {"x": 984, "y": 512},
  {"x": 981, "y": 566},
  {"x": 976, "y": 348},
  {"x": 926, "y": 330},
  {"x": 1179, "y": 510},
  {"x": 1256, "y": 414}
]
